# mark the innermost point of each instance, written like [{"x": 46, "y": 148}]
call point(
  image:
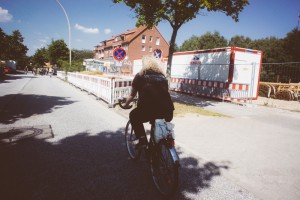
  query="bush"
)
[{"x": 75, "y": 67}]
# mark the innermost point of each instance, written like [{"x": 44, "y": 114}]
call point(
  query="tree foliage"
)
[
  {"x": 58, "y": 53},
  {"x": 240, "y": 41},
  {"x": 292, "y": 44},
  {"x": 178, "y": 12},
  {"x": 80, "y": 55},
  {"x": 206, "y": 41},
  {"x": 3, "y": 45},
  {"x": 190, "y": 44},
  {"x": 12, "y": 48},
  {"x": 75, "y": 67},
  {"x": 274, "y": 50},
  {"x": 57, "y": 50},
  {"x": 40, "y": 58}
]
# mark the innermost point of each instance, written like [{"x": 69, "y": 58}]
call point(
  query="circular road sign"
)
[
  {"x": 157, "y": 53},
  {"x": 119, "y": 54}
]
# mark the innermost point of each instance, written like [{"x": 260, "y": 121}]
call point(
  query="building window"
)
[
  {"x": 116, "y": 39},
  {"x": 150, "y": 49},
  {"x": 144, "y": 39},
  {"x": 143, "y": 48},
  {"x": 157, "y": 41},
  {"x": 151, "y": 39}
]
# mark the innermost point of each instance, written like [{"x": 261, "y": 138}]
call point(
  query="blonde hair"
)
[{"x": 151, "y": 63}]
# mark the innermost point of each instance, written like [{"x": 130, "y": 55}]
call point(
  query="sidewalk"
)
[{"x": 259, "y": 144}]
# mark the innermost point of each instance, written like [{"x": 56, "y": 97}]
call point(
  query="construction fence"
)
[
  {"x": 108, "y": 89},
  {"x": 280, "y": 81},
  {"x": 280, "y": 72}
]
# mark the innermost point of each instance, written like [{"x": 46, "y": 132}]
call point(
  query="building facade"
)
[{"x": 137, "y": 43}]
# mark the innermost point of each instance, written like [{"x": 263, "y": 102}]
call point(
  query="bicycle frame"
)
[
  {"x": 169, "y": 141},
  {"x": 162, "y": 156}
]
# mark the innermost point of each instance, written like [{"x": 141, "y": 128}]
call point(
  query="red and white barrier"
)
[
  {"x": 212, "y": 89},
  {"x": 107, "y": 89}
]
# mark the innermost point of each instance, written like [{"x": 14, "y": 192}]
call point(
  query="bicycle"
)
[{"x": 162, "y": 157}]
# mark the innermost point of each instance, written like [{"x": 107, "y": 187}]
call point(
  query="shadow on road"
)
[
  {"x": 90, "y": 167},
  {"x": 8, "y": 78},
  {"x": 19, "y": 106}
]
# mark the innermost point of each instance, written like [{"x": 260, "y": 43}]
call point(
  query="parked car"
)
[{"x": 7, "y": 70}]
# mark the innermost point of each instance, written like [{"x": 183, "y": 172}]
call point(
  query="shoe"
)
[{"x": 142, "y": 144}]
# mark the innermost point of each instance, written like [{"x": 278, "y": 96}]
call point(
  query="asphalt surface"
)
[
  {"x": 261, "y": 147},
  {"x": 58, "y": 142}
]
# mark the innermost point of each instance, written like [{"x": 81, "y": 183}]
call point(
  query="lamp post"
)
[{"x": 70, "y": 51}]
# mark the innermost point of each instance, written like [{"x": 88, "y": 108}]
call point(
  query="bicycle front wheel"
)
[
  {"x": 131, "y": 140},
  {"x": 164, "y": 169}
]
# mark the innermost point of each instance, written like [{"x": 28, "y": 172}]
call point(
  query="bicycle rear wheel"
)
[
  {"x": 131, "y": 140},
  {"x": 164, "y": 169}
]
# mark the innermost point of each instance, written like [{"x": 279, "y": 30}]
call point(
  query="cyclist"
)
[{"x": 154, "y": 101}]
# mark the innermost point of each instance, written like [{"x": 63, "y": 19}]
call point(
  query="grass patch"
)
[{"x": 182, "y": 109}]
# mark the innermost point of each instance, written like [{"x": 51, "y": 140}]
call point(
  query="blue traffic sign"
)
[
  {"x": 119, "y": 54},
  {"x": 157, "y": 53}
]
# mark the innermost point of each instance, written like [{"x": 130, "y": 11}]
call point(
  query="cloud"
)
[
  {"x": 107, "y": 31},
  {"x": 43, "y": 41},
  {"x": 86, "y": 30},
  {"x": 4, "y": 15}
]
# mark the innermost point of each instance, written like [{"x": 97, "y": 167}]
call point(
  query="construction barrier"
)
[
  {"x": 212, "y": 89},
  {"x": 106, "y": 88},
  {"x": 61, "y": 75},
  {"x": 110, "y": 89}
]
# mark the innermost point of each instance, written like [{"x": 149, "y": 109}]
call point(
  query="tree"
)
[
  {"x": 80, "y": 55},
  {"x": 57, "y": 50},
  {"x": 206, "y": 41},
  {"x": 12, "y": 47},
  {"x": 210, "y": 41},
  {"x": 40, "y": 57},
  {"x": 272, "y": 48},
  {"x": 292, "y": 45},
  {"x": 178, "y": 12},
  {"x": 240, "y": 41},
  {"x": 3, "y": 45},
  {"x": 176, "y": 48},
  {"x": 190, "y": 44}
]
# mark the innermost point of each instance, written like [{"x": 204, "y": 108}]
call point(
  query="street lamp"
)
[{"x": 70, "y": 56}]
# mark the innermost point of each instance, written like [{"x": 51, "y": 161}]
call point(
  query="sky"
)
[{"x": 92, "y": 21}]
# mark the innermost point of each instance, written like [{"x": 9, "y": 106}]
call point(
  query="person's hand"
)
[
  {"x": 124, "y": 103},
  {"x": 127, "y": 105}
]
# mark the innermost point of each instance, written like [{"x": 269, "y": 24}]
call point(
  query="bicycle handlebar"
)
[{"x": 123, "y": 100}]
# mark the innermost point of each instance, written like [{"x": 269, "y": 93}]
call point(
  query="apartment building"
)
[{"x": 137, "y": 43}]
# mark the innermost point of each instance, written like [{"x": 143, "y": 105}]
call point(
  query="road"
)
[{"x": 75, "y": 150}]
